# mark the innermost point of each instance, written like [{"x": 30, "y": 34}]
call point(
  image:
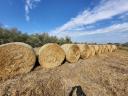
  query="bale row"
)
[{"x": 18, "y": 58}]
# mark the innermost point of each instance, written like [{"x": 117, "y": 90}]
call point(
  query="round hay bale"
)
[
  {"x": 16, "y": 58},
  {"x": 72, "y": 52},
  {"x": 37, "y": 50},
  {"x": 92, "y": 50},
  {"x": 100, "y": 49},
  {"x": 114, "y": 47},
  {"x": 109, "y": 48},
  {"x": 85, "y": 51},
  {"x": 96, "y": 48},
  {"x": 103, "y": 48},
  {"x": 51, "y": 55}
]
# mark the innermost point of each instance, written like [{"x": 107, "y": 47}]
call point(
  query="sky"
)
[{"x": 99, "y": 21}]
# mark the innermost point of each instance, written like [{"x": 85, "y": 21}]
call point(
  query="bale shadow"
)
[
  {"x": 36, "y": 64},
  {"x": 77, "y": 91}
]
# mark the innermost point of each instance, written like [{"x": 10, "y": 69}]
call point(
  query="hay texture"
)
[
  {"x": 85, "y": 51},
  {"x": 114, "y": 47},
  {"x": 16, "y": 58},
  {"x": 37, "y": 50},
  {"x": 103, "y": 48},
  {"x": 72, "y": 52},
  {"x": 96, "y": 48},
  {"x": 51, "y": 55},
  {"x": 109, "y": 48},
  {"x": 100, "y": 49},
  {"x": 91, "y": 47}
]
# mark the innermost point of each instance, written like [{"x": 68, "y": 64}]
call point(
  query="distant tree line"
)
[{"x": 35, "y": 40}]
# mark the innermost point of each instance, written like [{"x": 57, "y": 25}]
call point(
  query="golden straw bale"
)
[
  {"x": 114, "y": 47},
  {"x": 106, "y": 49},
  {"x": 16, "y": 58},
  {"x": 96, "y": 48},
  {"x": 72, "y": 52},
  {"x": 51, "y": 55},
  {"x": 100, "y": 49},
  {"x": 85, "y": 51},
  {"x": 92, "y": 50},
  {"x": 109, "y": 48}
]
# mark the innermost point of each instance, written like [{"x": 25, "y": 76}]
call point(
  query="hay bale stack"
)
[
  {"x": 72, "y": 52},
  {"x": 16, "y": 58},
  {"x": 51, "y": 55},
  {"x": 85, "y": 51},
  {"x": 37, "y": 50},
  {"x": 92, "y": 50}
]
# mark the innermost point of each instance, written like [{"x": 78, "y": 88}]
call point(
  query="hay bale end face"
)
[
  {"x": 96, "y": 48},
  {"x": 109, "y": 48},
  {"x": 92, "y": 50},
  {"x": 104, "y": 48},
  {"x": 16, "y": 58},
  {"x": 114, "y": 47},
  {"x": 100, "y": 49},
  {"x": 51, "y": 55},
  {"x": 72, "y": 52},
  {"x": 85, "y": 51}
]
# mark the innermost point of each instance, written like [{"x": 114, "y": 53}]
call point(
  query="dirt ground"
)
[{"x": 104, "y": 75}]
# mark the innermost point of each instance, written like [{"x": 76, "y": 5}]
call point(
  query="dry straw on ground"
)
[
  {"x": 85, "y": 51},
  {"x": 51, "y": 55},
  {"x": 15, "y": 58},
  {"x": 72, "y": 52}
]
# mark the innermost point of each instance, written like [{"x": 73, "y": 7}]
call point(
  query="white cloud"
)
[
  {"x": 113, "y": 28},
  {"x": 124, "y": 16},
  {"x": 105, "y": 10},
  {"x": 29, "y": 5}
]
